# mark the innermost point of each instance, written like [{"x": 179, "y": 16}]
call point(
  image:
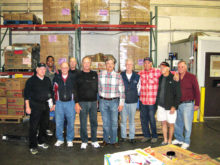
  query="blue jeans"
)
[
  {"x": 65, "y": 110},
  {"x": 183, "y": 123},
  {"x": 109, "y": 111},
  {"x": 129, "y": 111},
  {"x": 91, "y": 109},
  {"x": 147, "y": 115}
]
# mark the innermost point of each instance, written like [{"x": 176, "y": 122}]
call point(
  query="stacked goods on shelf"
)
[
  {"x": 21, "y": 56},
  {"x": 57, "y": 11},
  {"x": 58, "y": 46},
  {"x": 94, "y": 11},
  {"x": 99, "y": 128},
  {"x": 134, "y": 47},
  {"x": 3, "y": 98},
  {"x": 21, "y": 18},
  {"x": 98, "y": 61},
  {"x": 135, "y": 12},
  {"x": 14, "y": 93}
]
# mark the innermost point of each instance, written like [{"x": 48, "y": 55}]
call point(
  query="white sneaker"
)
[
  {"x": 95, "y": 144},
  {"x": 59, "y": 143},
  {"x": 175, "y": 142},
  {"x": 185, "y": 146},
  {"x": 69, "y": 144},
  {"x": 84, "y": 145}
]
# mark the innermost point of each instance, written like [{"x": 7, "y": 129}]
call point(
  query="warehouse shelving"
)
[{"x": 88, "y": 27}]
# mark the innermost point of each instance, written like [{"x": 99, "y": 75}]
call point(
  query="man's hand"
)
[
  {"x": 52, "y": 108},
  {"x": 196, "y": 108},
  {"x": 172, "y": 110},
  {"x": 176, "y": 77},
  {"x": 28, "y": 110},
  {"x": 77, "y": 108},
  {"x": 120, "y": 107}
]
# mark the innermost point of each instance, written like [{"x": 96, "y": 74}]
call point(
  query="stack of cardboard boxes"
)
[
  {"x": 135, "y": 12},
  {"x": 134, "y": 47},
  {"x": 57, "y": 11},
  {"x": 11, "y": 96},
  {"x": 58, "y": 46},
  {"x": 94, "y": 11}
]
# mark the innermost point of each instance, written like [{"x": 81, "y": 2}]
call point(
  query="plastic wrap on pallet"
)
[
  {"x": 94, "y": 11},
  {"x": 135, "y": 12},
  {"x": 57, "y": 11},
  {"x": 58, "y": 46},
  {"x": 133, "y": 47}
]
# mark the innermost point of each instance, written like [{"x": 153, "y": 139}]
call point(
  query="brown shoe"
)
[
  {"x": 104, "y": 144},
  {"x": 116, "y": 145}
]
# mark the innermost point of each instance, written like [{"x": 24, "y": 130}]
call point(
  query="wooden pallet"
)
[
  {"x": 17, "y": 22},
  {"x": 10, "y": 119},
  {"x": 58, "y": 22},
  {"x": 133, "y": 23},
  {"x": 94, "y": 22}
]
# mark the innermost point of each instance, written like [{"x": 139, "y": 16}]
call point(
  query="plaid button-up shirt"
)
[
  {"x": 110, "y": 85},
  {"x": 149, "y": 85}
]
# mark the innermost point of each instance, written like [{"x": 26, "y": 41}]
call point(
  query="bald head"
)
[
  {"x": 73, "y": 63},
  {"x": 64, "y": 68}
]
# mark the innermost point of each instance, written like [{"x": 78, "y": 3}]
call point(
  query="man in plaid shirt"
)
[
  {"x": 149, "y": 85},
  {"x": 112, "y": 96}
]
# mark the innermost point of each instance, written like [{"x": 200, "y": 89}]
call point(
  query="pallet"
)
[
  {"x": 10, "y": 119},
  {"x": 94, "y": 22},
  {"x": 58, "y": 22},
  {"x": 17, "y": 22},
  {"x": 133, "y": 23}
]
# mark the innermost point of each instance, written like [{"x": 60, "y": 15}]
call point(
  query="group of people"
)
[{"x": 70, "y": 91}]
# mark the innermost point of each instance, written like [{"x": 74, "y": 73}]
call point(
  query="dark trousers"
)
[
  {"x": 91, "y": 109},
  {"x": 38, "y": 121},
  {"x": 147, "y": 115}
]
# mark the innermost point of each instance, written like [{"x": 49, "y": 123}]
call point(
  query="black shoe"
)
[
  {"x": 104, "y": 144},
  {"x": 132, "y": 141},
  {"x": 116, "y": 145},
  {"x": 122, "y": 140}
]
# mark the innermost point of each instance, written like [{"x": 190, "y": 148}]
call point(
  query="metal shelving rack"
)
[{"x": 77, "y": 27}]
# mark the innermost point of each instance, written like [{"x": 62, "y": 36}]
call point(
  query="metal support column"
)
[
  {"x": 154, "y": 36},
  {"x": 77, "y": 37},
  {"x": 10, "y": 36}
]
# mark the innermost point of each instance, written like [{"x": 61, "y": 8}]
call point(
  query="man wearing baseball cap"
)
[
  {"x": 38, "y": 90},
  {"x": 168, "y": 99}
]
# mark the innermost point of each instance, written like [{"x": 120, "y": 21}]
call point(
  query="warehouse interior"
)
[{"x": 189, "y": 29}]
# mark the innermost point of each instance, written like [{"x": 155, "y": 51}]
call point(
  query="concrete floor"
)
[{"x": 205, "y": 140}]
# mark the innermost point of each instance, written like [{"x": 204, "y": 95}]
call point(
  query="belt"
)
[
  {"x": 108, "y": 98},
  {"x": 188, "y": 101}
]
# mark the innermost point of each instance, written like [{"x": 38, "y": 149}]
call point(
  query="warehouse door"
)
[{"x": 212, "y": 84}]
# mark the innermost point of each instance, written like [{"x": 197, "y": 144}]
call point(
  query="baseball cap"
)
[
  {"x": 164, "y": 64},
  {"x": 41, "y": 65},
  {"x": 148, "y": 59}
]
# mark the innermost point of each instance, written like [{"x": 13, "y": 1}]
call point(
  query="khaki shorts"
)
[{"x": 164, "y": 115}]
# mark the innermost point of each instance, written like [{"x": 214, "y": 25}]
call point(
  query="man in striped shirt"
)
[{"x": 112, "y": 96}]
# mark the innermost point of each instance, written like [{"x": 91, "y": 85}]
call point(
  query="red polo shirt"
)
[{"x": 190, "y": 88}]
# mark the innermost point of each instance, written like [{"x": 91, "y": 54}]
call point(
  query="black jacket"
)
[{"x": 172, "y": 92}]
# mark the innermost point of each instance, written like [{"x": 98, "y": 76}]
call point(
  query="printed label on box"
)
[
  {"x": 134, "y": 39},
  {"x": 61, "y": 60},
  {"x": 140, "y": 62},
  {"x": 103, "y": 12},
  {"x": 52, "y": 38},
  {"x": 26, "y": 61},
  {"x": 65, "y": 11}
]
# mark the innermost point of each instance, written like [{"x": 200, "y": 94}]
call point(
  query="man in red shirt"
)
[{"x": 190, "y": 94}]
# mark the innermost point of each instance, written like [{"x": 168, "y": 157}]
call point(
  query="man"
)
[
  {"x": 64, "y": 88},
  {"x": 132, "y": 84},
  {"x": 112, "y": 97},
  {"x": 149, "y": 86},
  {"x": 168, "y": 99},
  {"x": 190, "y": 94},
  {"x": 50, "y": 73},
  {"x": 73, "y": 63},
  {"x": 86, "y": 102},
  {"x": 38, "y": 90}
]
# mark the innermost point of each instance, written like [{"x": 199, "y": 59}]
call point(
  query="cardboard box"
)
[
  {"x": 135, "y": 12},
  {"x": 3, "y": 106},
  {"x": 18, "y": 112},
  {"x": 57, "y": 11},
  {"x": 58, "y": 46},
  {"x": 134, "y": 47},
  {"x": 13, "y": 101},
  {"x": 14, "y": 93},
  {"x": 15, "y": 84},
  {"x": 94, "y": 11}
]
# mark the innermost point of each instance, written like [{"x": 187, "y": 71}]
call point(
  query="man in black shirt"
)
[
  {"x": 38, "y": 91},
  {"x": 86, "y": 102}
]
